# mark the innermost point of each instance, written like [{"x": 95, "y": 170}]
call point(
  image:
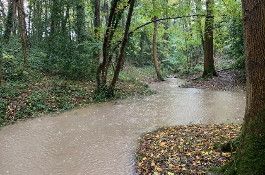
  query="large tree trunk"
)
[
  {"x": 154, "y": 51},
  {"x": 209, "y": 68},
  {"x": 23, "y": 30},
  {"x": 250, "y": 156}
]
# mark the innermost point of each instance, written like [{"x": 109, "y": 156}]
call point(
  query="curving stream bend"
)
[{"x": 101, "y": 138}]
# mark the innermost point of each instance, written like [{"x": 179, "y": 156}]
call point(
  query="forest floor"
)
[
  {"x": 228, "y": 80},
  {"x": 192, "y": 149},
  {"x": 42, "y": 94}
]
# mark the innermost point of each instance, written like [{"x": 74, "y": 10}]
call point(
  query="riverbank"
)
[
  {"x": 191, "y": 149},
  {"x": 44, "y": 94},
  {"x": 227, "y": 80}
]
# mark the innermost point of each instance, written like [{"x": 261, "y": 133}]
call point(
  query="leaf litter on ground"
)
[{"x": 191, "y": 149}]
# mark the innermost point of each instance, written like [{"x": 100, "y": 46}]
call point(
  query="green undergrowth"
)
[{"x": 37, "y": 94}]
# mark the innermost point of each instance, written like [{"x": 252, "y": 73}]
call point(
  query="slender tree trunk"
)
[
  {"x": 15, "y": 14},
  {"x": 65, "y": 20},
  {"x": 199, "y": 22},
  {"x": 2, "y": 9},
  {"x": 142, "y": 48},
  {"x": 97, "y": 25},
  {"x": 46, "y": 15},
  {"x": 106, "y": 10},
  {"x": 23, "y": 30},
  {"x": 97, "y": 18},
  {"x": 30, "y": 9},
  {"x": 80, "y": 21},
  {"x": 56, "y": 11},
  {"x": 1, "y": 43},
  {"x": 167, "y": 22},
  {"x": 121, "y": 57},
  {"x": 250, "y": 155},
  {"x": 209, "y": 68},
  {"x": 1, "y": 61},
  {"x": 154, "y": 51},
  {"x": 9, "y": 21},
  {"x": 103, "y": 67}
]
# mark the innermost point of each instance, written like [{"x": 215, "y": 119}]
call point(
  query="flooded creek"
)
[{"x": 101, "y": 139}]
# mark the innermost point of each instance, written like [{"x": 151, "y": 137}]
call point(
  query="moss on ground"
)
[{"x": 250, "y": 155}]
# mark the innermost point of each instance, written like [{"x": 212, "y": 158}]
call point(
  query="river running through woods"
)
[{"x": 101, "y": 139}]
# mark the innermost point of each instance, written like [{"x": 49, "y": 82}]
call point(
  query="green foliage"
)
[
  {"x": 138, "y": 52},
  {"x": 180, "y": 41},
  {"x": 229, "y": 36},
  {"x": 103, "y": 94},
  {"x": 70, "y": 59},
  {"x": 9, "y": 92},
  {"x": 13, "y": 71},
  {"x": 21, "y": 100},
  {"x": 236, "y": 47}
]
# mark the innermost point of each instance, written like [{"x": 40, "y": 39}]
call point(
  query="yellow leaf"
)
[
  {"x": 169, "y": 173},
  {"x": 158, "y": 169},
  {"x": 163, "y": 144}
]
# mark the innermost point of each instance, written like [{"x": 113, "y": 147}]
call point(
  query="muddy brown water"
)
[{"x": 101, "y": 139}]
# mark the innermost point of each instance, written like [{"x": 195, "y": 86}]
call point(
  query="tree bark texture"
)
[
  {"x": 209, "y": 68},
  {"x": 154, "y": 51},
  {"x": 250, "y": 156},
  {"x": 23, "y": 30}
]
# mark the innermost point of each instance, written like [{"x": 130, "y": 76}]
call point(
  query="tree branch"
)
[
  {"x": 156, "y": 20},
  {"x": 163, "y": 19}
]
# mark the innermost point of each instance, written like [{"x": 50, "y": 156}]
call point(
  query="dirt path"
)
[{"x": 102, "y": 138}]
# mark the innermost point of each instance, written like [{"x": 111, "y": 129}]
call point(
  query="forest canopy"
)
[{"x": 60, "y": 37}]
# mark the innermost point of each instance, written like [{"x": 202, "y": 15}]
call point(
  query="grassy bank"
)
[{"x": 37, "y": 93}]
